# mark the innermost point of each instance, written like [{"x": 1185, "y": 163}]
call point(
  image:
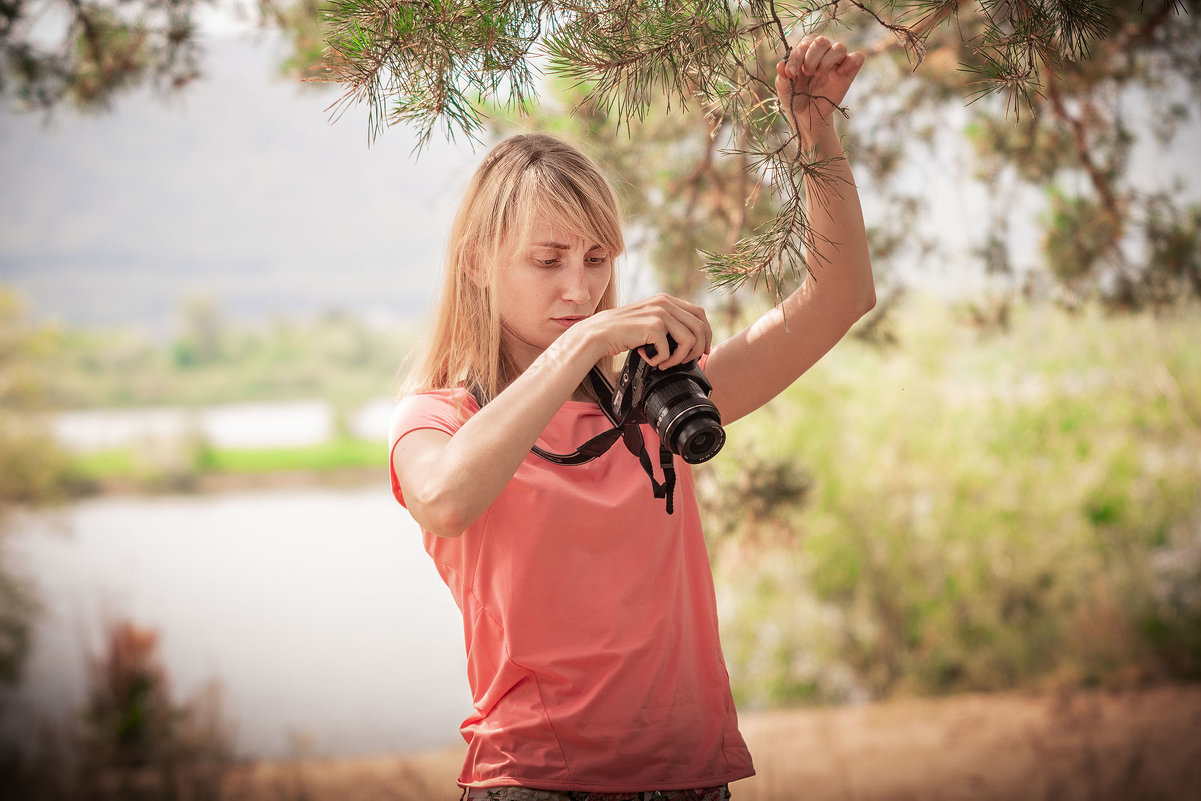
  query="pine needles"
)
[
  {"x": 432, "y": 61},
  {"x": 438, "y": 63}
]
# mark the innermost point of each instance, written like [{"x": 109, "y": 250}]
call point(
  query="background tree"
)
[
  {"x": 87, "y": 51},
  {"x": 33, "y": 469},
  {"x": 1060, "y": 91},
  {"x": 1105, "y": 232},
  {"x": 1048, "y": 81}
]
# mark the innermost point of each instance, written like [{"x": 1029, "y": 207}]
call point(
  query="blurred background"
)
[{"x": 960, "y": 557}]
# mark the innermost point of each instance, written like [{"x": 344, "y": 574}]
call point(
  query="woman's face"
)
[{"x": 547, "y": 287}]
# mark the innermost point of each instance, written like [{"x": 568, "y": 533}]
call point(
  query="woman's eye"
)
[
  {"x": 546, "y": 262},
  {"x": 597, "y": 260}
]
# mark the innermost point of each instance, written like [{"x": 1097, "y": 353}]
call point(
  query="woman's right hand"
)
[{"x": 650, "y": 322}]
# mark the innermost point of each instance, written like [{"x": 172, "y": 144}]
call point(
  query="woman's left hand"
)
[{"x": 813, "y": 80}]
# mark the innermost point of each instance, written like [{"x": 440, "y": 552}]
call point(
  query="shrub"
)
[{"x": 987, "y": 509}]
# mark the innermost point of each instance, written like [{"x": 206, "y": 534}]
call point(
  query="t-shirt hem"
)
[{"x": 584, "y": 787}]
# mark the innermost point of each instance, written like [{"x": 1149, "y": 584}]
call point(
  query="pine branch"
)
[
  {"x": 628, "y": 53},
  {"x": 786, "y": 246},
  {"x": 432, "y": 63},
  {"x": 433, "y": 59}
]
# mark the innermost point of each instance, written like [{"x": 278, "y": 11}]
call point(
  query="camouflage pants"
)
[{"x": 721, "y": 793}]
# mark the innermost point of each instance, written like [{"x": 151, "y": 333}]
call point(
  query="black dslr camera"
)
[{"x": 675, "y": 401}]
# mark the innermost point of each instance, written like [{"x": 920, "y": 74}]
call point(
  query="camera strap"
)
[{"x": 630, "y": 433}]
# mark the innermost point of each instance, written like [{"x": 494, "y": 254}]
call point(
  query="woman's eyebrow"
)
[{"x": 561, "y": 246}]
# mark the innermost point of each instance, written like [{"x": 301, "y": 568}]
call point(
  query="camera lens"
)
[
  {"x": 685, "y": 418},
  {"x": 700, "y": 439}
]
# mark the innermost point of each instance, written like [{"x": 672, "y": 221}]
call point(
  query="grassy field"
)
[
  {"x": 968, "y": 508},
  {"x": 1081, "y": 746},
  {"x": 199, "y": 466}
]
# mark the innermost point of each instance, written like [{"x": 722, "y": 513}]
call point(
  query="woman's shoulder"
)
[
  {"x": 451, "y": 395},
  {"x": 442, "y": 409}
]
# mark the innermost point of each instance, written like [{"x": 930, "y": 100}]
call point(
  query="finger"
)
[
  {"x": 657, "y": 330},
  {"x": 661, "y": 326},
  {"x": 832, "y": 57},
  {"x": 702, "y": 333},
  {"x": 813, "y": 55},
  {"x": 667, "y": 352},
  {"x": 685, "y": 343},
  {"x": 662, "y": 348},
  {"x": 852, "y": 63},
  {"x": 784, "y": 87},
  {"x": 686, "y": 323},
  {"x": 699, "y": 334},
  {"x": 796, "y": 58}
]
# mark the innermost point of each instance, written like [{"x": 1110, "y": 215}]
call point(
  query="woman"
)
[{"x": 588, "y": 610}]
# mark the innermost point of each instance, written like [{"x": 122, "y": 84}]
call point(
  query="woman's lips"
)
[{"x": 567, "y": 322}]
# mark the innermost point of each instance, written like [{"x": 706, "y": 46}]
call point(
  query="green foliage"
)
[
  {"x": 987, "y": 509},
  {"x": 17, "y": 609},
  {"x": 443, "y": 61},
  {"x": 89, "y": 53},
  {"x": 430, "y": 59},
  {"x": 1174, "y": 243},
  {"x": 133, "y": 741},
  {"x": 335, "y": 455},
  {"x": 1037, "y": 152},
  {"x": 32, "y": 468},
  {"x": 694, "y": 177},
  {"x": 632, "y": 54},
  {"x": 1080, "y": 135},
  {"x": 301, "y": 22},
  {"x": 1077, "y": 233},
  {"x": 212, "y": 360},
  {"x": 135, "y": 467},
  {"x": 335, "y": 358}
]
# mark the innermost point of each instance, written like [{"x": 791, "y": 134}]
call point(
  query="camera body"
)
[{"x": 675, "y": 401}]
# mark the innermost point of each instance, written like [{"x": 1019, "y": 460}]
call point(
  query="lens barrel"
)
[
  {"x": 684, "y": 417},
  {"x": 699, "y": 439}
]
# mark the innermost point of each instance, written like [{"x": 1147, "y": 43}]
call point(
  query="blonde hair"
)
[{"x": 524, "y": 179}]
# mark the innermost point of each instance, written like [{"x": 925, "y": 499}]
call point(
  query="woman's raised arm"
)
[{"x": 758, "y": 363}]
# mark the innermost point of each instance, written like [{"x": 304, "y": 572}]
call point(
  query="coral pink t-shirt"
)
[{"x": 589, "y": 618}]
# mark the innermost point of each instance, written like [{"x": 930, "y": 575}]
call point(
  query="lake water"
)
[
  {"x": 234, "y": 425},
  {"x": 317, "y": 610}
]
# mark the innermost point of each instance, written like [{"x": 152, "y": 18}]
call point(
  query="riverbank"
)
[
  {"x": 213, "y": 483},
  {"x": 1092, "y": 745},
  {"x": 235, "y": 446},
  {"x": 340, "y": 462}
]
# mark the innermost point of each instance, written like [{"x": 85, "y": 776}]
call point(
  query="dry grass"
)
[
  {"x": 387, "y": 778},
  {"x": 1081, "y": 745},
  {"x": 1096, "y": 746}
]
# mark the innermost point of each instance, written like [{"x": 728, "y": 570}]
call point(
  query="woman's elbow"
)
[
  {"x": 440, "y": 516},
  {"x": 444, "y": 522},
  {"x": 857, "y": 302},
  {"x": 865, "y": 297},
  {"x": 869, "y": 300}
]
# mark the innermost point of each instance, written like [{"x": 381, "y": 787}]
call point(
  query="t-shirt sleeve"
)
[{"x": 435, "y": 410}]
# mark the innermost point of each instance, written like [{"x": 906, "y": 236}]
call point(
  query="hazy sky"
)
[{"x": 239, "y": 188}]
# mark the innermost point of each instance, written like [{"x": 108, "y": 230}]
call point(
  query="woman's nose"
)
[{"x": 575, "y": 286}]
